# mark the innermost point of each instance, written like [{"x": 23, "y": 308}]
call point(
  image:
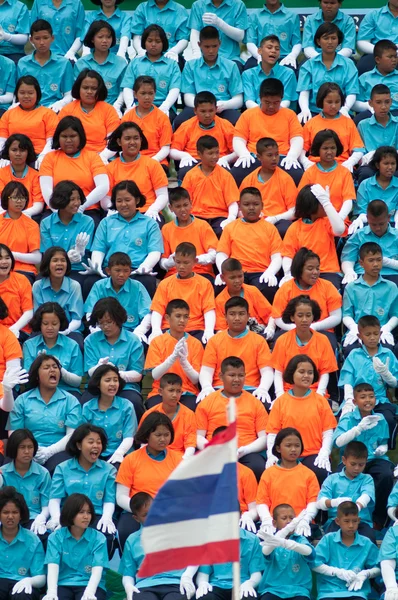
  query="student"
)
[
  {"x": 118, "y": 18},
  {"x": 240, "y": 342},
  {"x": 388, "y": 563},
  {"x": 329, "y": 66},
  {"x": 268, "y": 120},
  {"x": 261, "y": 258},
  {"x": 53, "y": 72},
  {"x": 350, "y": 483},
  {"x": 329, "y": 11},
  {"x": 175, "y": 351},
  {"x": 187, "y": 228},
  {"x": 183, "y": 419},
  {"x": 363, "y": 425},
  {"x": 67, "y": 19},
  {"x": 22, "y": 572},
  {"x": 15, "y": 24},
  {"x": 16, "y": 293},
  {"x": 277, "y": 188},
  {"x": 211, "y": 187},
  {"x": 8, "y": 81},
  {"x": 196, "y": 290},
  {"x": 345, "y": 559},
  {"x": 76, "y": 554}
]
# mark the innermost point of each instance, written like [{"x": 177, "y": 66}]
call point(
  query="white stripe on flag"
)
[
  {"x": 196, "y": 532},
  {"x": 209, "y": 461}
]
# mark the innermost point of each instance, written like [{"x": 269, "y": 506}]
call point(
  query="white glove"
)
[
  {"x": 381, "y": 368},
  {"x": 247, "y": 589},
  {"x": 165, "y": 109},
  {"x": 288, "y": 162},
  {"x": 321, "y": 194},
  {"x": 348, "y": 165},
  {"x": 81, "y": 242},
  {"x": 74, "y": 256},
  {"x": 270, "y": 331},
  {"x": 4, "y": 162},
  {"x": 168, "y": 263},
  {"x": 357, "y": 223},
  {"x": 89, "y": 595},
  {"x": 335, "y": 502},
  {"x": 57, "y": 106},
  {"x": 106, "y": 525},
  {"x": 350, "y": 276},
  {"x": 345, "y": 575},
  {"x": 172, "y": 55},
  {"x": 245, "y": 161},
  {"x": 70, "y": 55},
  {"x": 351, "y": 336},
  {"x": 210, "y": 19},
  {"x": 266, "y": 527},
  {"x": 323, "y": 460},
  {"x": 121, "y": 54},
  {"x": 152, "y": 213},
  {"x": 203, "y": 589},
  {"x": 103, "y": 361},
  {"x": 366, "y": 158},
  {"x": 182, "y": 349},
  {"x": 220, "y": 106},
  {"x": 381, "y": 450},
  {"x": 4, "y": 35},
  {"x": 268, "y": 278},
  {"x": 130, "y": 591},
  {"x": 285, "y": 278},
  {"x": 187, "y": 587},
  {"x": 218, "y": 280},
  {"x": 110, "y": 213},
  {"x": 246, "y": 522},
  {"x": 140, "y": 334},
  {"x": 14, "y": 330},
  {"x": 391, "y": 594},
  {"x": 42, "y": 455},
  {"x": 205, "y": 259},
  {"x": 289, "y": 61},
  {"x": 344, "y": 111},
  {"x": 116, "y": 457},
  {"x": 207, "y": 335},
  {"x": 142, "y": 270},
  {"x": 396, "y": 471},
  {"x": 305, "y": 115},
  {"x": 92, "y": 268},
  {"x": 205, "y": 392},
  {"x": 347, "y": 408},
  {"x": 155, "y": 333},
  {"x": 262, "y": 394},
  {"x": 223, "y": 162},
  {"x": 187, "y": 160},
  {"x": 13, "y": 377},
  {"x": 50, "y": 596},
  {"x": 23, "y": 586},
  {"x": 53, "y": 524},
  {"x": 303, "y": 528},
  {"x": 273, "y": 220},
  {"x": 368, "y": 423},
  {"x": 271, "y": 461},
  {"x": 131, "y": 52},
  {"x": 227, "y": 222},
  {"x": 104, "y": 157},
  {"x": 39, "y": 525},
  {"x": 386, "y": 337}
]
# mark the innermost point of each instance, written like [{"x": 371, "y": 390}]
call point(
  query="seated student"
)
[
  {"x": 53, "y": 72},
  {"x": 187, "y": 228},
  {"x": 146, "y": 469},
  {"x": 329, "y": 66},
  {"x": 183, "y": 419},
  {"x": 110, "y": 411},
  {"x": 67, "y": 41},
  {"x": 76, "y": 553},
  {"x": 175, "y": 351},
  {"x": 196, "y": 290},
  {"x": 350, "y": 483},
  {"x": 18, "y": 149},
  {"x": 214, "y": 73},
  {"x": 329, "y": 12},
  {"x": 119, "y": 19},
  {"x": 277, "y": 188},
  {"x": 317, "y": 224},
  {"x": 388, "y": 562},
  {"x": 261, "y": 257},
  {"x": 22, "y": 571},
  {"x": 16, "y": 293},
  {"x": 238, "y": 341},
  {"x": 268, "y": 120},
  {"x": 346, "y": 559},
  {"x": 8, "y": 81},
  {"x": 363, "y": 425},
  {"x": 212, "y": 188}
]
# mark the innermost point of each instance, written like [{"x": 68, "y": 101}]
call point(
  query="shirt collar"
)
[
  {"x": 169, "y": 5},
  {"x": 332, "y": 168},
  {"x": 33, "y": 469},
  {"x": 25, "y": 171},
  {"x": 117, "y": 403},
  {"x": 360, "y": 281},
  {"x": 160, "y": 59},
  {"x": 64, "y": 286},
  {"x": 280, "y": 9},
  {"x": 160, "y": 456},
  {"x": 117, "y": 13},
  {"x": 241, "y": 335},
  {"x": 33, "y": 58},
  {"x": 20, "y": 535},
  {"x": 58, "y": 395},
  {"x": 203, "y": 63},
  {"x": 357, "y": 539},
  {"x": 75, "y": 465}
]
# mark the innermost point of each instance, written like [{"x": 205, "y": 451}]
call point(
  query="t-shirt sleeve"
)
[
  {"x": 50, "y": 119},
  {"x": 161, "y": 298}
]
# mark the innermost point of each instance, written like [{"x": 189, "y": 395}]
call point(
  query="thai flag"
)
[{"x": 194, "y": 518}]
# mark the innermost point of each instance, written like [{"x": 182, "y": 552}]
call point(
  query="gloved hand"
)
[
  {"x": 205, "y": 259},
  {"x": 116, "y": 457},
  {"x": 152, "y": 213},
  {"x": 271, "y": 461},
  {"x": 262, "y": 394},
  {"x": 303, "y": 527},
  {"x": 104, "y": 157},
  {"x": 268, "y": 278},
  {"x": 386, "y": 337},
  {"x": 187, "y": 160},
  {"x": 203, "y": 589},
  {"x": 396, "y": 471},
  {"x": 4, "y": 162},
  {"x": 168, "y": 263},
  {"x": 266, "y": 528},
  {"x": 89, "y": 595},
  {"x": 122, "y": 54},
  {"x": 289, "y": 61},
  {"x": 155, "y": 333},
  {"x": 335, "y": 502},
  {"x": 182, "y": 349},
  {"x": 245, "y": 161},
  {"x": 321, "y": 194},
  {"x": 227, "y": 222},
  {"x": 4, "y": 35},
  {"x": 391, "y": 594},
  {"x": 344, "y": 111},
  {"x": 39, "y": 525},
  {"x": 306, "y": 162},
  {"x": 323, "y": 460},
  {"x": 366, "y": 158},
  {"x": 140, "y": 333},
  {"x": 345, "y": 575},
  {"x": 131, "y": 52},
  {"x": 368, "y": 423},
  {"x": 357, "y": 223},
  {"x": 218, "y": 280},
  {"x": 204, "y": 392},
  {"x": 381, "y": 368},
  {"x": 211, "y": 19},
  {"x": 106, "y": 525},
  {"x": 81, "y": 242},
  {"x": 57, "y": 106},
  {"x": 164, "y": 108},
  {"x": 92, "y": 268},
  {"x": 223, "y": 162},
  {"x": 172, "y": 55},
  {"x": 290, "y": 163},
  {"x": 70, "y": 55},
  {"x": 130, "y": 591},
  {"x": 273, "y": 220},
  {"x": 13, "y": 377},
  {"x": 74, "y": 256},
  {"x": 207, "y": 335},
  {"x": 350, "y": 276},
  {"x": 53, "y": 524},
  {"x": 142, "y": 270},
  {"x": 220, "y": 106},
  {"x": 247, "y": 590},
  {"x": 38, "y": 161},
  {"x": 103, "y": 361},
  {"x": 347, "y": 408},
  {"x": 351, "y": 336},
  {"x": 305, "y": 115},
  {"x": 269, "y": 331},
  {"x": 381, "y": 450},
  {"x": 285, "y": 278},
  {"x": 42, "y": 455},
  {"x": 246, "y": 522},
  {"x": 23, "y": 586},
  {"x": 50, "y": 596},
  {"x": 110, "y": 213},
  {"x": 187, "y": 587}
]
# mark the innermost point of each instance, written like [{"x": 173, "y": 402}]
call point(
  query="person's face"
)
[
  {"x": 153, "y": 44},
  {"x": 393, "y": 4},
  {"x": 270, "y": 105},
  {"x": 16, "y": 202},
  {"x": 329, "y": 9},
  {"x": 58, "y": 265},
  {"x": 328, "y": 42},
  {"x": 233, "y": 380},
  {"x": 303, "y": 317},
  {"x": 348, "y": 524},
  {"x": 171, "y": 393},
  {"x": 387, "y": 62},
  {"x": 89, "y": 91},
  {"x": 303, "y": 376},
  {"x": 119, "y": 274},
  {"x": 251, "y": 207},
  {"x": 332, "y": 104},
  {"x": 142, "y": 513},
  {"x": 184, "y": 264},
  {"x": 25, "y": 452},
  {"x": 178, "y": 319},
  {"x": 50, "y": 325},
  {"x": 365, "y": 401},
  {"x": 69, "y": 141},
  {"x": 378, "y": 225},
  {"x": 83, "y": 517},
  {"x": 372, "y": 264},
  {"x": 108, "y": 3},
  {"x": 90, "y": 447},
  {"x": 210, "y": 49},
  {"x": 387, "y": 166},
  {"x": 182, "y": 209},
  {"x": 233, "y": 280},
  {"x": 290, "y": 448},
  {"x": 205, "y": 113},
  {"x": 102, "y": 40},
  {"x": 130, "y": 142},
  {"x": 108, "y": 326},
  {"x": 284, "y": 517},
  {"x": 159, "y": 439},
  {"x": 17, "y": 155},
  {"x": 145, "y": 95},
  {"x": 27, "y": 96},
  {"x": 49, "y": 374},
  {"x": 5, "y": 263},
  {"x": 109, "y": 384},
  {"x": 74, "y": 204},
  {"x": 270, "y": 52},
  {"x": 42, "y": 41},
  {"x": 311, "y": 271},
  {"x": 269, "y": 158},
  {"x": 126, "y": 205},
  {"x": 370, "y": 336},
  {"x": 328, "y": 151},
  {"x": 237, "y": 319},
  {"x": 354, "y": 466},
  {"x": 381, "y": 104},
  {"x": 10, "y": 516},
  {"x": 210, "y": 157}
]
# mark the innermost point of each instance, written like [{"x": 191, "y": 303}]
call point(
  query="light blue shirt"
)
[
  {"x": 369, "y": 190},
  {"x": 8, "y": 78},
  {"x": 392, "y": 498},
  {"x": 76, "y": 558},
  {"x": 173, "y": 18},
  {"x": 375, "y": 135},
  {"x": 338, "y": 485},
  {"x": 23, "y": 557},
  {"x": 372, "y": 438},
  {"x": 111, "y": 71},
  {"x": 119, "y": 421},
  {"x": 222, "y": 79},
  {"x": 14, "y": 18},
  {"x": 55, "y": 76},
  {"x": 34, "y": 485},
  {"x": 313, "y": 73},
  {"x": 283, "y": 22},
  {"x": 389, "y": 547},
  {"x": 120, "y": 20},
  {"x": 388, "y": 243},
  {"x": 165, "y": 72},
  {"x": 362, "y": 554},
  {"x": 344, "y": 22},
  {"x": 67, "y": 21},
  {"x": 377, "y": 23},
  {"x": 137, "y": 237},
  {"x": 132, "y": 296},
  {"x": 380, "y": 299},
  {"x": 53, "y": 232},
  {"x": 253, "y": 78},
  {"x": 69, "y": 296},
  {"x": 371, "y": 78},
  {"x": 30, "y": 412}
]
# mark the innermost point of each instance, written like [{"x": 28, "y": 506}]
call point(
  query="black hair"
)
[
  {"x": 99, "y": 2},
  {"x": 72, "y": 506},
  {"x": 24, "y": 142},
  {"x": 327, "y": 88},
  {"x": 299, "y": 260},
  {"x": 9, "y": 189},
  {"x": 149, "y": 424},
  {"x": 127, "y": 185},
  {"x": 161, "y": 33},
  {"x": 307, "y": 204},
  {"x": 82, "y": 432},
  {"x": 264, "y": 143},
  {"x": 380, "y": 88},
  {"x": 355, "y": 449},
  {"x": 93, "y": 386},
  {"x": 109, "y": 305},
  {"x": 346, "y": 509},
  {"x": 272, "y": 87},
  {"x": 209, "y": 33},
  {"x": 204, "y": 98},
  {"x": 363, "y": 387},
  {"x": 34, "y": 381},
  {"x": 186, "y": 249},
  {"x": 178, "y": 193},
  {"x": 270, "y": 38},
  {"x": 113, "y": 144},
  {"x": 235, "y": 362},
  {"x": 10, "y": 494},
  {"x": 69, "y": 122},
  {"x": 292, "y": 365},
  {"x": 231, "y": 264},
  {"x": 62, "y": 193},
  {"x": 138, "y": 501},
  {"x": 176, "y": 304},
  {"x": 46, "y": 259},
  {"x": 281, "y": 435},
  {"x": 169, "y": 379},
  {"x": 279, "y": 508},
  {"x": 10, "y": 254},
  {"x": 29, "y": 80},
  {"x": 324, "y": 136},
  {"x": 51, "y": 308},
  {"x": 236, "y": 302},
  {"x": 382, "y": 46},
  {"x": 142, "y": 80},
  {"x": 15, "y": 440},
  {"x": 327, "y": 28},
  {"x": 377, "y": 208},
  {"x": 369, "y": 248},
  {"x": 95, "y": 28},
  {"x": 119, "y": 258},
  {"x": 368, "y": 321},
  {"x": 102, "y": 92},
  {"x": 206, "y": 142},
  {"x": 381, "y": 153},
  {"x": 40, "y": 25},
  {"x": 252, "y": 191},
  {"x": 3, "y": 310},
  {"x": 293, "y": 304}
]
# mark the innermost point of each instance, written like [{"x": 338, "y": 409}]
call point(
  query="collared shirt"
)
[
  {"x": 388, "y": 243},
  {"x": 375, "y": 135},
  {"x": 372, "y": 438},
  {"x": 253, "y": 78},
  {"x": 53, "y": 232},
  {"x": 14, "y": 18},
  {"x": 119, "y": 420},
  {"x": 380, "y": 299},
  {"x": 283, "y": 22},
  {"x": 34, "y": 485},
  {"x": 173, "y": 18},
  {"x": 69, "y": 296},
  {"x": 344, "y": 22},
  {"x": 165, "y": 72},
  {"x": 120, "y": 20},
  {"x": 376, "y": 23},
  {"x": 8, "y": 78},
  {"x": 388, "y": 549},
  {"x": 392, "y": 498},
  {"x": 55, "y": 76},
  {"x": 371, "y": 78},
  {"x": 222, "y": 79},
  {"x": 111, "y": 71},
  {"x": 338, "y": 485},
  {"x": 23, "y": 557},
  {"x": 67, "y": 21},
  {"x": 370, "y": 189}
]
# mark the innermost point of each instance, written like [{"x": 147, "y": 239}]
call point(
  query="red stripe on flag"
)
[
  {"x": 180, "y": 558},
  {"x": 224, "y": 436}
]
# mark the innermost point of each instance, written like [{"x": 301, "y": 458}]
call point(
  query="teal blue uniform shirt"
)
[
  {"x": 358, "y": 367},
  {"x": 120, "y": 20},
  {"x": 369, "y": 190},
  {"x": 67, "y": 21},
  {"x": 119, "y": 421},
  {"x": 388, "y": 243},
  {"x": 392, "y": 498},
  {"x": 55, "y": 76},
  {"x": 137, "y": 237},
  {"x": 165, "y": 72},
  {"x": 14, "y": 18},
  {"x": 338, "y": 485},
  {"x": 111, "y": 71},
  {"x": 233, "y": 12},
  {"x": 253, "y": 78},
  {"x": 289, "y": 567},
  {"x": 53, "y": 232},
  {"x": 173, "y": 18},
  {"x": 389, "y": 547},
  {"x": 69, "y": 296},
  {"x": 372, "y": 438},
  {"x": 34, "y": 485},
  {"x": 222, "y": 79},
  {"x": 132, "y": 296},
  {"x": 313, "y": 73},
  {"x": 98, "y": 483},
  {"x": 375, "y": 25},
  {"x": 30, "y": 412},
  {"x": 23, "y": 557},
  {"x": 344, "y": 22},
  {"x": 362, "y": 554},
  {"x": 76, "y": 558},
  {"x": 283, "y": 22},
  {"x": 65, "y": 349},
  {"x": 371, "y": 78},
  {"x": 361, "y": 299},
  {"x": 375, "y": 135},
  {"x": 8, "y": 78}
]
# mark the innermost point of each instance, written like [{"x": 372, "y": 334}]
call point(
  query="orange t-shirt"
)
[
  {"x": 16, "y": 292},
  {"x": 144, "y": 171},
  {"x": 247, "y": 487},
  {"x": 10, "y": 349},
  {"x": 342, "y": 125},
  {"x": 253, "y": 125},
  {"x": 252, "y": 244},
  {"x": 251, "y": 348},
  {"x": 278, "y": 193},
  {"x": 156, "y": 127},
  {"x": 20, "y": 235},
  {"x": 38, "y": 124},
  {"x": 259, "y": 307},
  {"x": 311, "y": 415},
  {"x": 251, "y": 416},
  {"x": 162, "y": 347},
  {"x": 31, "y": 182},
  {"x": 297, "y": 487},
  {"x": 141, "y": 473},
  {"x": 186, "y": 136},
  {"x": 211, "y": 194},
  {"x": 198, "y": 232},
  {"x": 184, "y": 424},
  {"x": 340, "y": 182},
  {"x": 197, "y": 291},
  {"x": 98, "y": 124}
]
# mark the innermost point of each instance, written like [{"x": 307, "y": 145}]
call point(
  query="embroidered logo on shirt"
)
[
  {"x": 221, "y": 88},
  {"x": 296, "y": 568},
  {"x": 53, "y": 87},
  {"x": 168, "y": 35},
  {"x": 87, "y": 569},
  {"x": 283, "y": 35},
  {"x": 162, "y": 84},
  {"x": 99, "y": 495},
  {"x": 35, "y": 500},
  {"x": 11, "y": 28},
  {"x": 22, "y": 571},
  {"x": 380, "y": 311},
  {"x": 68, "y": 29},
  {"x": 119, "y": 434},
  {"x": 61, "y": 424},
  {"x": 138, "y": 242},
  {"x": 108, "y": 85}
]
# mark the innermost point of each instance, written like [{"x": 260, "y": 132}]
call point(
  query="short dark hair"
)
[
  {"x": 382, "y": 46},
  {"x": 119, "y": 258},
  {"x": 327, "y": 88},
  {"x": 10, "y": 254},
  {"x": 15, "y": 440},
  {"x": 235, "y": 362},
  {"x": 40, "y": 25},
  {"x": 150, "y": 424},
  {"x": 380, "y": 88},
  {"x": 292, "y": 365},
  {"x": 264, "y": 143},
  {"x": 9, "y": 189},
  {"x": 204, "y": 98},
  {"x": 127, "y": 185},
  {"x": 111, "y": 306},
  {"x": 25, "y": 143},
  {"x": 231, "y": 264},
  {"x": 209, "y": 33},
  {"x": 293, "y": 304},
  {"x": 29, "y": 80},
  {"x": 82, "y": 432},
  {"x": 69, "y": 122},
  {"x": 368, "y": 321},
  {"x": 62, "y": 193},
  {"x": 377, "y": 208},
  {"x": 269, "y": 38},
  {"x": 206, "y": 142},
  {"x": 306, "y": 203},
  {"x": 178, "y": 193},
  {"x": 138, "y": 501},
  {"x": 363, "y": 387},
  {"x": 327, "y": 28},
  {"x": 185, "y": 249},
  {"x": 49, "y": 308},
  {"x": 72, "y": 506},
  {"x": 369, "y": 248},
  {"x": 281, "y": 435},
  {"x": 382, "y": 152},
  {"x": 95, "y": 28},
  {"x": 324, "y": 136},
  {"x": 252, "y": 191},
  {"x": 299, "y": 260},
  {"x": 236, "y": 302},
  {"x": 46, "y": 259},
  {"x": 35, "y": 366},
  {"x": 144, "y": 80},
  {"x": 356, "y": 449},
  {"x": 272, "y": 87},
  {"x": 3, "y": 309},
  {"x": 170, "y": 379},
  {"x": 161, "y": 33},
  {"x": 279, "y": 508},
  {"x": 117, "y": 134},
  {"x": 10, "y": 494},
  {"x": 347, "y": 508},
  {"x": 93, "y": 386},
  {"x": 102, "y": 92},
  {"x": 176, "y": 304}
]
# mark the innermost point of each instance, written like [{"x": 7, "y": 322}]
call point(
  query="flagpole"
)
[{"x": 231, "y": 416}]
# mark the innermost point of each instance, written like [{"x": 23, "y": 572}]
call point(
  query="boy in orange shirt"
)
[
  {"x": 251, "y": 416},
  {"x": 277, "y": 188},
  {"x": 187, "y": 228},
  {"x": 196, "y": 290},
  {"x": 212, "y": 188}
]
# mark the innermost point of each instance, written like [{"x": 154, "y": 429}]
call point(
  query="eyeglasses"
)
[{"x": 17, "y": 198}]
